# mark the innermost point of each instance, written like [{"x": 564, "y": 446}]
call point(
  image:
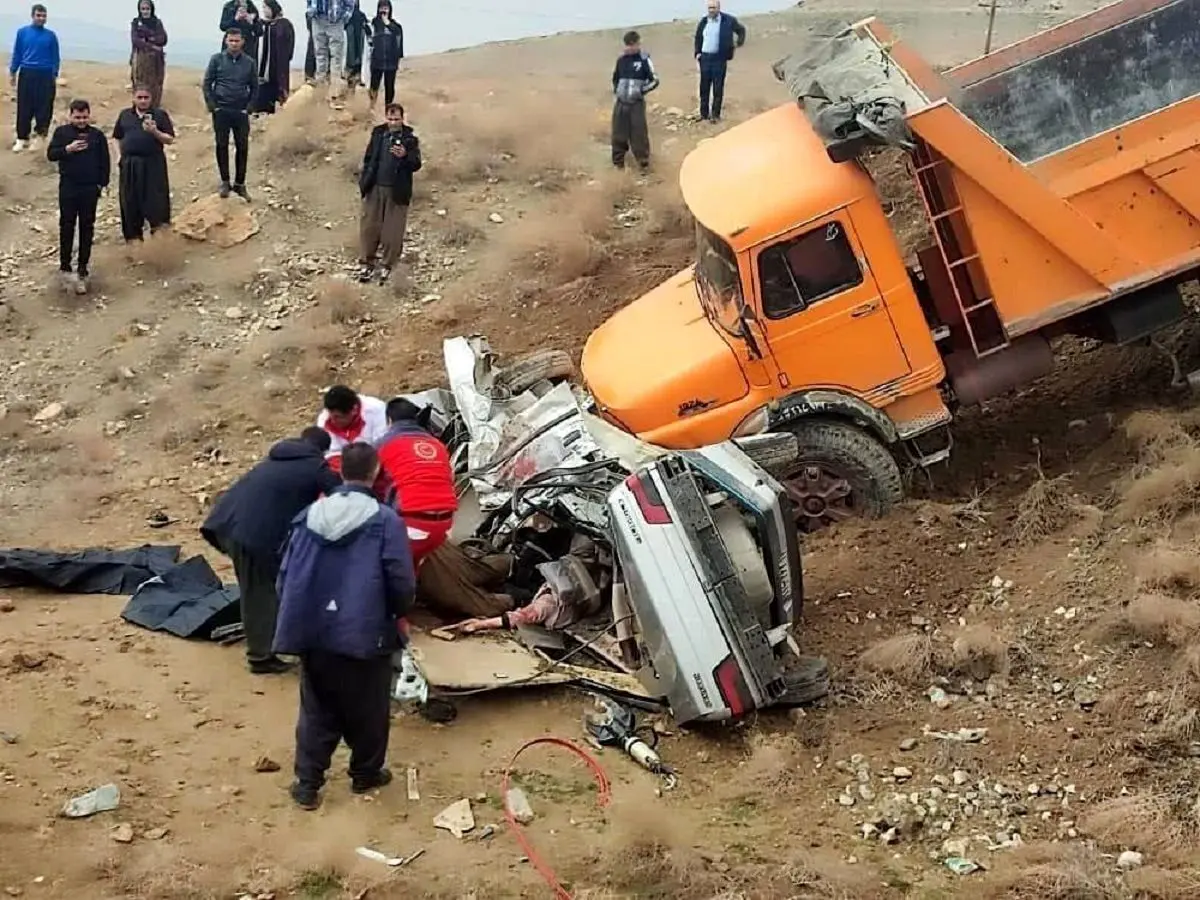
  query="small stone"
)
[
  {"x": 866, "y": 792},
  {"x": 123, "y": 833},
  {"x": 6, "y": 605},
  {"x": 1087, "y": 697},
  {"x": 1033, "y": 790},
  {"x": 908, "y": 744},
  {"x": 845, "y": 799},
  {"x": 939, "y": 698},
  {"x": 496, "y": 218},
  {"x": 1129, "y": 859},
  {"x": 49, "y": 413},
  {"x": 955, "y": 846},
  {"x": 891, "y": 836},
  {"x": 518, "y": 805},
  {"x": 959, "y": 777},
  {"x": 155, "y": 834},
  {"x": 266, "y": 764},
  {"x": 235, "y": 312},
  {"x": 902, "y": 773}
]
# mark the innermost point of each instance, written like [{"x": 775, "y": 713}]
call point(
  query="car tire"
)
[
  {"x": 805, "y": 682},
  {"x": 526, "y": 371},
  {"x": 841, "y": 452}
]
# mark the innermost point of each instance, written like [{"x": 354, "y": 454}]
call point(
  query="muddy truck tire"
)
[
  {"x": 526, "y": 371},
  {"x": 774, "y": 451},
  {"x": 840, "y": 471}
]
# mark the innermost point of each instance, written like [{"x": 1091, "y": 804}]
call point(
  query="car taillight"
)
[
  {"x": 649, "y": 501},
  {"x": 732, "y": 686}
]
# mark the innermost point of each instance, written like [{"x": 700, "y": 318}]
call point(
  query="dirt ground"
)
[{"x": 1016, "y": 652}]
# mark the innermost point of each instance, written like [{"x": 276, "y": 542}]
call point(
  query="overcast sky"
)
[{"x": 430, "y": 25}]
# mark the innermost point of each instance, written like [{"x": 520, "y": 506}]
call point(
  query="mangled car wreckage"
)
[{"x": 683, "y": 567}]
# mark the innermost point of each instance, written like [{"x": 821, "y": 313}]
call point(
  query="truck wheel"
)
[
  {"x": 775, "y": 451},
  {"x": 841, "y": 471},
  {"x": 526, "y": 371}
]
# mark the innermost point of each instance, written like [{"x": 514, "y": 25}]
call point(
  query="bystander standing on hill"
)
[
  {"x": 633, "y": 78},
  {"x": 143, "y": 187},
  {"x": 275, "y": 65},
  {"x": 148, "y": 64},
  {"x": 393, "y": 155},
  {"x": 33, "y": 72},
  {"x": 329, "y": 18},
  {"x": 230, "y": 82},
  {"x": 310, "y": 54},
  {"x": 718, "y": 34},
  {"x": 357, "y": 30},
  {"x": 242, "y": 15},
  {"x": 84, "y": 168},
  {"x": 387, "y": 49}
]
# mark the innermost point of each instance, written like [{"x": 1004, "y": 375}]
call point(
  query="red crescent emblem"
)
[{"x": 425, "y": 450}]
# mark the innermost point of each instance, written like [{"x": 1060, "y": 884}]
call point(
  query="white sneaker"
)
[{"x": 20, "y": 146}]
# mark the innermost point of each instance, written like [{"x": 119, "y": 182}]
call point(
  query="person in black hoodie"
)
[
  {"x": 386, "y": 184},
  {"x": 84, "y": 167},
  {"x": 243, "y": 16},
  {"x": 250, "y": 522},
  {"x": 387, "y": 49}
]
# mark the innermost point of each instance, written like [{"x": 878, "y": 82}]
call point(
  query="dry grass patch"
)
[
  {"x": 1153, "y": 823},
  {"x": 162, "y": 253},
  {"x": 459, "y": 233},
  {"x": 1052, "y": 872},
  {"x": 1163, "y": 619},
  {"x": 1169, "y": 568},
  {"x": 339, "y": 301},
  {"x": 906, "y": 657},
  {"x": 1046, "y": 508},
  {"x": 978, "y": 651},
  {"x": 1166, "y": 481}
]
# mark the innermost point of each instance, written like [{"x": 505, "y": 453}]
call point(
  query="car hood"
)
[{"x": 659, "y": 359}]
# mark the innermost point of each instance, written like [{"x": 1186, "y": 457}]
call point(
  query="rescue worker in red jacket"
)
[{"x": 418, "y": 466}]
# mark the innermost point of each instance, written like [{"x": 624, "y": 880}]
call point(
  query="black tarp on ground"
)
[
  {"x": 96, "y": 571},
  {"x": 188, "y": 601}
]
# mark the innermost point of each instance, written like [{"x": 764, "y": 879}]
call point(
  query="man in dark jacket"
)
[
  {"x": 250, "y": 522},
  {"x": 84, "y": 169},
  {"x": 386, "y": 183},
  {"x": 230, "y": 83},
  {"x": 717, "y": 35},
  {"x": 347, "y": 578},
  {"x": 633, "y": 78}
]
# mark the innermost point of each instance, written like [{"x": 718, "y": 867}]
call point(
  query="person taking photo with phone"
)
[
  {"x": 386, "y": 183},
  {"x": 143, "y": 188},
  {"x": 84, "y": 167}
]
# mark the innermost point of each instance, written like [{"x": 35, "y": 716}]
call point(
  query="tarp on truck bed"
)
[{"x": 846, "y": 85}]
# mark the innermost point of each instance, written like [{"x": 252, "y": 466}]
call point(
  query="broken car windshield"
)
[{"x": 717, "y": 280}]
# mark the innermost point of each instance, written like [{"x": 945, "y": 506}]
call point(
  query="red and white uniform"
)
[
  {"x": 369, "y": 425},
  {"x": 418, "y": 467}
]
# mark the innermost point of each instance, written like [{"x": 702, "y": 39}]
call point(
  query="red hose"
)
[{"x": 603, "y": 796}]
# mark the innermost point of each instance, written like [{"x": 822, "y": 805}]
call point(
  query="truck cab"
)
[{"x": 798, "y": 314}]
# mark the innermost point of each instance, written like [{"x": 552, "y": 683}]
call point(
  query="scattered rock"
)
[
  {"x": 518, "y": 805},
  {"x": 908, "y": 744},
  {"x": 155, "y": 834},
  {"x": 456, "y": 818},
  {"x": 235, "y": 313},
  {"x": 123, "y": 833},
  {"x": 6, "y": 605},
  {"x": 496, "y": 218},
  {"x": 266, "y": 764},
  {"x": 49, "y": 413},
  {"x": 902, "y": 773},
  {"x": 1129, "y": 859},
  {"x": 224, "y": 223}
]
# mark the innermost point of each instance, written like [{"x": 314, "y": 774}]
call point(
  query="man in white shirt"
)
[
  {"x": 718, "y": 34},
  {"x": 350, "y": 417}
]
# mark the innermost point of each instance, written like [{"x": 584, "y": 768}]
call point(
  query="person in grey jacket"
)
[
  {"x": 633, "y": 78},
  {"x": 230, "y": 82}
]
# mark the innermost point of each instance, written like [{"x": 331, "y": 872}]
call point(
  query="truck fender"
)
[{"x": 837, "y": 404}]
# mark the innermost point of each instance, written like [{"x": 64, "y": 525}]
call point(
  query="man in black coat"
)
[
  {"x": 393, "y": 155},
  {"x": 717, "y": 36},
  {"x": 249, "y": 524}
]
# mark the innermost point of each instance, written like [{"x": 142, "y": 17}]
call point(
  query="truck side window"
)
[{"x": 796, "y": 274}]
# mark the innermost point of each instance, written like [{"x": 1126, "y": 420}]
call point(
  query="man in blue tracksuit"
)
[
  {"x": 33, "y": 71},
  {"x": 347, "y": 577},
  {"x": 717, "y": 36}
]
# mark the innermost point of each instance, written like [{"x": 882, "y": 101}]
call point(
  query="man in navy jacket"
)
[
  {"x": 717, "y": 36},
  {"x": 249, "y": 524},
  {"x": 347, "y": 577}
]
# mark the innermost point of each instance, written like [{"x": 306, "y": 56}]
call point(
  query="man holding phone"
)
[
  {"x": 386, "y": 183},
  {"x": 81, "y": 152},
  {"x": 143, "y": 187}
]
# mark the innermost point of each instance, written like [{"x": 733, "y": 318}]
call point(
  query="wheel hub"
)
[{"x": 822, "y": 496}]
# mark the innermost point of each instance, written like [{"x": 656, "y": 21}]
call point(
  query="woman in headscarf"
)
[
  {"x": 147, "y": 65},
  {"x": 275, "y": 58}
]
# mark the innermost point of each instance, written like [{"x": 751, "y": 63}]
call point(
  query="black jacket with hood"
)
[
  {"x": 257, "y": 510},
  {"x": 387, "y": 45},
  {"x": 380, "y": 143}
]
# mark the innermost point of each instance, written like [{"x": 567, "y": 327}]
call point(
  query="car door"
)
[{"x": 826, "y": 323}]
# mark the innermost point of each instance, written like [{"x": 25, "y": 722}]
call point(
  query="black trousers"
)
[
  {"x": 630, "y": 132},
  {"x": 712, "y": 83},
  {"x": 76, "y": 206},
  {"x": 310, "y": 57},
  {"x": 234, "y": 122},
  {"x": 144, "y": 193},
  {"x": 342, "y": 698},
  {"x": 35, "y": 102},
  {"x": 389, "y": 84},
  {"x": 256, "y": 574}
]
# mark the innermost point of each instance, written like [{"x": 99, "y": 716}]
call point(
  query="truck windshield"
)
[{"x": 717, "y": 281}]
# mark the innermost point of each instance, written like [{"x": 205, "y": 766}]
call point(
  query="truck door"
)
[{"x": 825, "y": 321}]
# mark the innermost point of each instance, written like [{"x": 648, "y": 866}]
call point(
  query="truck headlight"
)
[{"x": 755, "y": 423}]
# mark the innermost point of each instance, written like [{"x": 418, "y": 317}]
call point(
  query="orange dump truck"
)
[{"x": 1060, "y": 179}]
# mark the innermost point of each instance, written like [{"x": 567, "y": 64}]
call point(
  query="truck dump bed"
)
[{"x": 1058, "y": 173}]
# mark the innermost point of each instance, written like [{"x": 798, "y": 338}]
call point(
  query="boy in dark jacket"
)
[
  {"x": 386, "y": 184},
  {"x": 347, "y": 577},
  {"x": 249, "y": 524},
  {"x": 387, "y": 49},
  {"x": 633, "y": 78},
  {"x": 84, "y": 167}
]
